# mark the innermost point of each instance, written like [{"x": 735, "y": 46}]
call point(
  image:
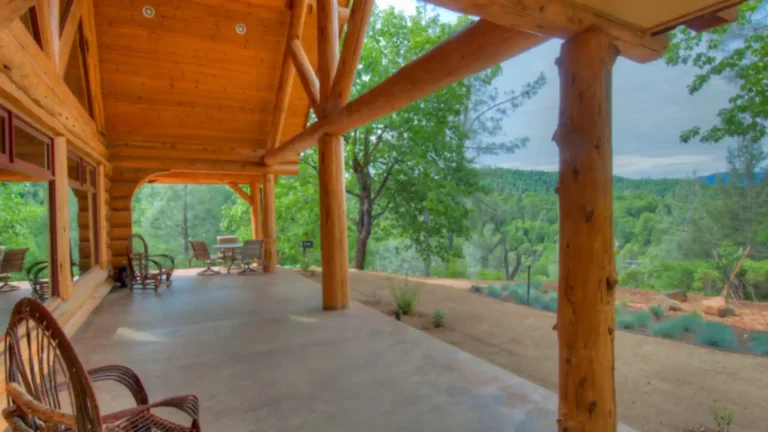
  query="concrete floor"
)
[{"x": 261, "y": 355}]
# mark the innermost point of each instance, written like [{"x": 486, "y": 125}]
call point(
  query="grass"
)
[
  {"x": 675, "y": 327},
  {"x": 718, "y": 335},
  {"x": 404, "y": 296},
  {"x": 643, "y": 318},
  {"x": 626, "y": 322},
  {"x": 758, "y": 342},
  {"x": 438, "y": 318},
  {"x": 657, "y": 311}
]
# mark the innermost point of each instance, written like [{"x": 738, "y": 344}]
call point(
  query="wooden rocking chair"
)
[
  {"x": 52, "y": 391},
  {"x": 13, "y": 262},
  {"x": 200, "y": 253},
  {"x": 139, "y": 262}
]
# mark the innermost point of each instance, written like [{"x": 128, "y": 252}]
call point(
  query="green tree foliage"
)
[{"x": 738, "y": 53}]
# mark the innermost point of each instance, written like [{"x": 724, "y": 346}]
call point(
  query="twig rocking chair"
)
[
  {"x": 49, "y": 389},
  {"x": 140, "y": 261}
]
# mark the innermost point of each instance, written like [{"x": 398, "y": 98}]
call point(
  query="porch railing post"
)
[
  {"x": 61, "y": 212},
  {"x": 270, "y": 236}
]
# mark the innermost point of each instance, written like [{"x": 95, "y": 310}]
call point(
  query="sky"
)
[{"x": 651, "y": 106}]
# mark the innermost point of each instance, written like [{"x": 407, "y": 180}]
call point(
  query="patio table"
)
[{"x": 229, "y": 246}]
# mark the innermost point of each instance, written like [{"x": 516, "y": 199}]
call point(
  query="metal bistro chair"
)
[
  {"x": 200, "y": 253},
  {"x": 251, "y": 255},
  {"x": 139, "y": 262},
  {"x": 230, "y": 256},
  {"x": 13, "y": 262},
  {"x": 52, "y": 391}
]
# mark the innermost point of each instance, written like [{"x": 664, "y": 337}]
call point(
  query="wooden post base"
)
[{"x": 585, "y": 313}]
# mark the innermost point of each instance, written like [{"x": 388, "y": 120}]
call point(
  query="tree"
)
[
  {"x": 739, "y": 53},
  {"x": 412, "y": 166}
]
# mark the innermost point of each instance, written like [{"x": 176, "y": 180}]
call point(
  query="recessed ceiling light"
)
[
  {"x": 240, "y": 29},
  {"x": 148, "y": 11}
]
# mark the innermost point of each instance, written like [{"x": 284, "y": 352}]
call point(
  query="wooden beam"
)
[
  {"x": 68, "y": 33},
  {"x": 327, "y": 50},
  {"x": 270, "y": 225},
  {"x": 344, "y": 12},
  {"x": 48, "y": 23},
  {"x": 295, "y": 29},
  {"x": 715, "y": 13},
  {"x": 195, "y": 177},
  {"x": 585, "y": 312},
  {"x": 256, "y": 219},
  {"x": 32, "y": 79},
  {"x": 12, "y": 9},
  {"x": 333, "y": 223},
  {"x": 170, "y": 151},
  {"x": 240, "y": 192},
  {"x": 189, "y": 164},
  {"x": 103, "y": 200},
  {"x": 92, "y": 64},
  {"x": 350, "y": 53},
  {"x": 561, "y": 19},
  {"x": 474, "y": 49},
  {"x": 61, "y": 199},
  {"x": 306, "y": 74}
]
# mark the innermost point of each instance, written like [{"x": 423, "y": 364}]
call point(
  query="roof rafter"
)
[
  {"x": 11, "y": 9},
  {"x": 68, "y": 33}
]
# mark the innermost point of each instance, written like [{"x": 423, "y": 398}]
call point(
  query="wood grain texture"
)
[
  {"x": 333, "y": 223},
  {"x": 12, "y": 9},
  {"x": 585, "y": 313},
  {"x": 561, "y": 19},
  {"x": 270, "y": 225},
  {"x": 350, "y": 53},
  {"x": 327, "y": 50},
  {"x": 474, "y": 49},
  {"x": 48, "y": 24},
  {"x": 61, "y": 195},
  {"x": 68, "y": 34},
  {"x": 306, "y": 75},
  {"x": 240, "y": 192}
]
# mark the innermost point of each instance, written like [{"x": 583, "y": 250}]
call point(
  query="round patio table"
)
[{"x": 231, "y": 247}]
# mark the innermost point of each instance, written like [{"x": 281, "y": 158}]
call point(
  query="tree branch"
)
[
  {"x": 384, "y": 181},
  {"x": 376, "y": 143},
  {"x": 376, "y": 216}
]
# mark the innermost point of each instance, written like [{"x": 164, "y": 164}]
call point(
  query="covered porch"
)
[{"x": 261, "y": 354}]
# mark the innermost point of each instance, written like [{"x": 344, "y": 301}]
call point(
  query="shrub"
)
[
  {"x": 632, "y": 278},
  {"x": 643, "y": 318},
  {"x": 717, "y": 335},
  {"x": 548, "y": 303},
  {"x": 494, "y": 291},
  {"x": 758, "y": 342},
  {"x": 624, "y": 303},
  {"x": 723, "y": 416},
  {"x": 491, "y": 275},
  {"x": 404, "y": 296},
  {"x": 757, "y": 277},
  {"x": 670, "y": 329},
  {"x": 707, "y": 280},
  {"x": 476, "y": 288},
  {"x": 674, "y": 275},
  {"x": 626, "y": 322},
  {"x": 690, "y": 322},
  {"x": 657, "y": 311},
  {"x": 438, "y": 317}
]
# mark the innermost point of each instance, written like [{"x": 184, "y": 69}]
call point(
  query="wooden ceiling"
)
[{"x": 185, "y": 83}]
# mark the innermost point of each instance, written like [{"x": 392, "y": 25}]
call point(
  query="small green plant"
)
[
  {"x": 624, "y": 303},
  {"x": 626, "y": 322},
  {"x": 758, "y": 342},
  {"x": 494, "y": 291},
  {"x": 404, "y": 296},
  {"x": 668, "y": 329},
  {"x": 438, "y": 317},
  {"x": 476, "y": 288},
  {"x": 716, "y": 335},
  {"x": 723, "y": 416},
  {"x": 657, "y": 311},
  {"x": 643, "y": 318},
  {"x": 691, "y": 321}
]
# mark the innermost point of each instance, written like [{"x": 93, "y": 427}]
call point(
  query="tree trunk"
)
[
  {"x": 450, "y": 248},
  {"x": 506, "y": 262},
  {"x": 518, "y": 262},
  {"x": 364, "y": 226},
  {"x": 185, "y": 223}
]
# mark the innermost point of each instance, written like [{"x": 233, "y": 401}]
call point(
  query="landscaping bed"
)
[{"x": 655, "y": 320}]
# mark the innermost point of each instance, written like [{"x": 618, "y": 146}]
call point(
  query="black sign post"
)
[{"x": 306, "y": 244}]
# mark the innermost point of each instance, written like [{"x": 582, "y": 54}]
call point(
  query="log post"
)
[
  {"x": 256, "y": 223},
  {"x": 585, "y": 313},
  {"x": 333, "y": 223},
  {"x": 270, "y": 237},
  {"x": 61, "y": 209}
]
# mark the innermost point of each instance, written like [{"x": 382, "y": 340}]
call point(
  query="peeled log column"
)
[
  {"x": 585, "y": 317},
  {"x": 256, "y": 223},
  {"x": 333, "y": 223},
  {"x": 270, "y": 237}
]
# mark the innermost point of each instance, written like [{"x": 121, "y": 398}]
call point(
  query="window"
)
[
  {"x": 76, "y": 73},
  {"x": 83, "y": 221},
  {"x": 29, "y": 19}
]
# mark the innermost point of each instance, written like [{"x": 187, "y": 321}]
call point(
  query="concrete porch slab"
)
[{"x": 261, "y": 355}]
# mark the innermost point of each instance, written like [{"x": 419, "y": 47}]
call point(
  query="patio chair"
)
[
  {"x": 52, "y": 390},
  {"x": 140, "y": 261},
  {"x": 13, "y": 262},
  {"x": 250, "y": 255},
  {"x": 200, "y": 253},
  {"x": 37, "y": 275},
  {"x": 230, "y": 256}
]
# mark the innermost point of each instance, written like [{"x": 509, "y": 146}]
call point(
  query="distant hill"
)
[
  {"x": 722, "y": 178},
  {"x": 546, "y": 181}
]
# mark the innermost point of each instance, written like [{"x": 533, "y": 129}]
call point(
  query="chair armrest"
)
[
  {"x": 122, "y": 375},
  {"x": 30, "y": 406},
  {"x": 168, "y": 257},
  {"x": 188, "y": 404}
]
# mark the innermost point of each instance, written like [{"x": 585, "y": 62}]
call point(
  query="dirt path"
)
[{"x": 661, "y": 385}]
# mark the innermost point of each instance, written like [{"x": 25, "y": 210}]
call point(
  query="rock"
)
[
  {"x": 717, "y": 306},
  {"x": 678, "y": 295},
  {"x": 668, "y": 304}
]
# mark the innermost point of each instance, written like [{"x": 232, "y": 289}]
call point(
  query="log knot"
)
[{"x": 592, "y": 407}]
